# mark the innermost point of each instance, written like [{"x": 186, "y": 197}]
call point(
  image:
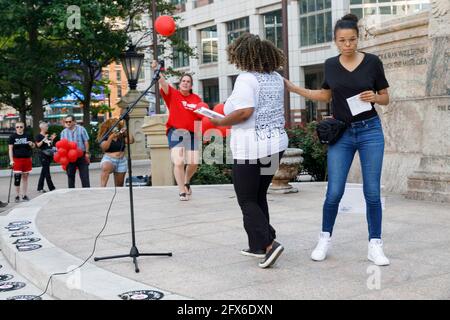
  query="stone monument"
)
[{"x": 416, "y": 55}]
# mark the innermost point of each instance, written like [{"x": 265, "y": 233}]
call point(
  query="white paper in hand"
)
[
  {"x": 358, "y": 106},
  {"x": 209, "y": 113}
]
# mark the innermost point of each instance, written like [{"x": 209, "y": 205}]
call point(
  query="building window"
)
[
  {"x": 237, "y": 27},
  {"x": 364, "y": 8},
  {"x": 118, "y": 76},
  {"x": 273, "y": 28},
  {"x": 315, "y": 22},
  {"x": 209, "y": 44},
  {"x": 181, "y": 59},
  {"x": 119, "y": 91},
  {"x": 211, "y": 91}
]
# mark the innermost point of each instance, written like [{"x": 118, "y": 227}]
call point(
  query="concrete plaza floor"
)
[{"x": 206, "y": 235}]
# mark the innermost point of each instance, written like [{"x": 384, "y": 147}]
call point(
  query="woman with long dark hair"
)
[{"x": 354, "y": 82}]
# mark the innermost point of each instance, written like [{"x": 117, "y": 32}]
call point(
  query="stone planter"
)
[{"x": 288, "y": 170}]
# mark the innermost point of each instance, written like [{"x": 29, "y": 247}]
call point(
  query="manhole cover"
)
[
  {"x": 14, "y": 228},
  {"x": 28, "y": 247},
  {"x": 25, "y": 297},
  {"x": 5, "y": 277},
  {"x": 142, "y": 295},
  {"x": 19, "y": 223},
  {"x": 10, "y": 286},
  {"x": 21, "y": 234},
  {"x": 26, "y": 240}
]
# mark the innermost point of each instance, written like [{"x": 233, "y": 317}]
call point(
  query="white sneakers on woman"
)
[
  {"x": 320, "y": 252},
  {"x": 375, "y": 250},
  {"x": 376, "y": 254}
]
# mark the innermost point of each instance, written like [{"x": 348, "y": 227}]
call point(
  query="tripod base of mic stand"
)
[{"x": 134, "y": 254}]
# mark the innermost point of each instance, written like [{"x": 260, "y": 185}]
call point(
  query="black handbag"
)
[
  {"x": 330, "y": 130},
  {"x": 48, "y": 152}
]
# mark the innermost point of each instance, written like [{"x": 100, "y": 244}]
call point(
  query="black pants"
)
[
  {"x": 45, "y": 173},
  {"x": 251, "y": 181},
  {"x": 83, "y": 167}
]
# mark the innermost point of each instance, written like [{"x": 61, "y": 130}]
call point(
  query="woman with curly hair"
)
[
  {"x": 255, "y": 110},
  {"x": 114, "y": 159}
]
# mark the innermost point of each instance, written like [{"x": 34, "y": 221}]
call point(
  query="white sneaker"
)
[
  {"x": 376, "y": 254},
  {"x": 320, "y": 252}
]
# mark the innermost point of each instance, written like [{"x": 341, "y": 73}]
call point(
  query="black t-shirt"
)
[
  {"x": 21, "y": 148},
  {"x": 368, "y": 75},
  {"x": 116, "y": 146},
  {"x": 44, "y": 145}
]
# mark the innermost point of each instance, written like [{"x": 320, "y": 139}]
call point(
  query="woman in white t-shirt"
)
[{"x": 255, "y": 110}]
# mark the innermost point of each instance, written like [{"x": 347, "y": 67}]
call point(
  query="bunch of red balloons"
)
[
  {"x": 66, "y": 152},
  {"x": 207, "y": 125}
]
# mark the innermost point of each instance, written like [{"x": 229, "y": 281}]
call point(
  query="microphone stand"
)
[{"x": 134, "y": 252}]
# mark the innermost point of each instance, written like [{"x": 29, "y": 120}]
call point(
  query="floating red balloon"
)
[
  {"x": 63, "y": 143},
  {"x": 64, "y": 161},
  {"x": 206, "y": 124},
  {"x": 72, "y": 155},
  {"x": 72, "y": 145},
  {"x": 165, "y": 25},
  {"x": 62, "y": 152},
  {"x": 64, "y": 167},
  {"x": 56, "y": 157},
  {"x": 219, "y": 108},
  {"x": 79, "y": 153}
]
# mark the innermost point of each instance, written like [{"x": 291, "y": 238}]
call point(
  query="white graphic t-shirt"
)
[{"x": 263, "y": 134}]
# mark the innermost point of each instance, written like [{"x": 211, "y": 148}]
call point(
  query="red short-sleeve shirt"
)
[{"x": 181, "y": 115}]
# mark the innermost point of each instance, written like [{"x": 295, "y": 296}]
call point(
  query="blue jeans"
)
[{"x": 367, "y": 138}]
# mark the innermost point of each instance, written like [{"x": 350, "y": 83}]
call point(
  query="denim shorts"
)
[
  {"x": 120, "y": 164},
  {"x": 181, "y": 138}
]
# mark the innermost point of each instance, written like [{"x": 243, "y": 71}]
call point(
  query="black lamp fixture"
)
[{"x": 132, "y": 62}]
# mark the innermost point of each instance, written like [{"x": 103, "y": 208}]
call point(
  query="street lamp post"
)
[{"x": 155, "y": 56}]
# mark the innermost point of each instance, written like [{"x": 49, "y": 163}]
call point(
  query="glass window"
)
[
  {"x": 118, "y": 75},
  {"x": 370, "y": 11},
  {"x": 273, "y": 28},
  {"x": 237, "y": 27},
  {"x": 385, "y": 10},
  {"x": 315, "y": 22},
  {"x": 355, "y": 1},
  {"x": 357, "y": 12},
  {"x": 181, "y": 59},
  {"x": 209, "y": 44},
  {"x": 211, "y": 91}
]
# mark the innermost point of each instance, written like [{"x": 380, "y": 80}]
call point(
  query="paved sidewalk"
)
[{"x": 206, "y": 234}]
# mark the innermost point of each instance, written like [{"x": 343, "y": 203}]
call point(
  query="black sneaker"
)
[
  {"x": 25, "y": 198},
  {"x": 3, "y": 204},
  {"x": 272, "y": 255},
  {"x": 42, "y": 191},
  {"x": 257, "y": 253},
  {"x": 17, "y": 199}
]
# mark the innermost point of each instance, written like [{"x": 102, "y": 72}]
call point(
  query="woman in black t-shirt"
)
[
  {"x": 114, "y": 159},
  {"x": 20, "y": 152},
  {"x": 354, "y": 82},
  {"x": 45, "y": 143}
]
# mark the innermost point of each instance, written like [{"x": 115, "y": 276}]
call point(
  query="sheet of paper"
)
[
  {"x": 208, "y": 113},
  {"x": 358, "y": 106}
]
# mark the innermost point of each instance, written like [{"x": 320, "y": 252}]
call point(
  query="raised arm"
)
[{"x": 163, "y": 84}]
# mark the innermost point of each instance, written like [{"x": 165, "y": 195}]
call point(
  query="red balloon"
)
[
  {"x": 206, "y": 124},
  {"x": 201, "y": 105},
  {"x": 56, "y": 157},
  {"x": 62, "y": 152},
  {"x": 64, "y": 161},
  {"x": 72, "y": 145},
  {"x": 165, "y": 25},
  {"x": 58, "y": 144},
  {"x": 72, "y": 155},
  {"x": 64, "y": 144},
  {"x": 219, "y": 108},
  {"x": 79, "y": 153},
  {"x": 64, "y": 167}
]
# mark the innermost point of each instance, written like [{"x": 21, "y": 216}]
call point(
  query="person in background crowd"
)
[
  {"x": 20, "y": 156},
  {"x": 76, "y": 133}
]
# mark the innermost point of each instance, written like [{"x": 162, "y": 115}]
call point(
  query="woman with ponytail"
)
[{"x": 354, "y": 82}]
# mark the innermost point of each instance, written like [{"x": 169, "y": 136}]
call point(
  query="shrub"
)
[{"x": 314, "y": 153}]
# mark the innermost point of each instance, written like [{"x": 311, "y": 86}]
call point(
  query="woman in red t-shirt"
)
[{"x": 180, "y": 130}]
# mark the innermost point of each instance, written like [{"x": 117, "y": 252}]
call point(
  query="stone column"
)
[
  {"x": 154, "y": 129},
  {"x": 431, "y": 181},
  {"x": 288, "y": 170},
  {"x": 138, "y": 151}
]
